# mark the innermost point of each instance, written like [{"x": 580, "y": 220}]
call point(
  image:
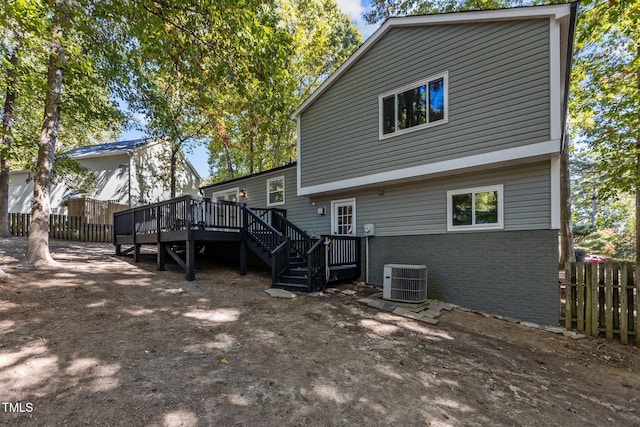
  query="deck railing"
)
[
  {"x": 184, "y": 213},
  {"x": 344, "y": 250},
  {"x": 268, "y": 229}
]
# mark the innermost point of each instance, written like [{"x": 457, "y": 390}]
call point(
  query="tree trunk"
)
[
  {"x": 567, "y": 253},
  {"x": 7, "y": 119},
  {"x": 638, "y": 186},
  {"x": 38, "y": 241},
  {"x": 172, "y": 171}
]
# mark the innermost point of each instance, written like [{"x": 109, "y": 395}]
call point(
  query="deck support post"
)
[
  {"x": 190, "y": 259},
  {"x": 118, "y": 249},
  {"x": 243, "y": 256},
  {"x": 136, "y": 252},
  {"x": 162, "y": 255}
]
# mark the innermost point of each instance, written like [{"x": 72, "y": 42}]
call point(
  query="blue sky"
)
[{"x": 199, "y": 156}]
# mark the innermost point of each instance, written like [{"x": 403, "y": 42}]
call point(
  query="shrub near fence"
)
[
  {"x": 601, "y": 299},
  {"x": 64, "y": 227}
]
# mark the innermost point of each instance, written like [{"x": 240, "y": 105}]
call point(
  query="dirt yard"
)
[{"x": 103, "y": 342}]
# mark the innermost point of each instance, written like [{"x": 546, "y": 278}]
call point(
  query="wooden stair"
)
[{"x": 290, "y": 271}]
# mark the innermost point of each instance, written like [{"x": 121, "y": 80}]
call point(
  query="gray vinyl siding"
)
[
  {"x": 498, "y": 99},
  {"x": 256, "y": 188},
  {"x": 421, "y": 207},
  {"x": 413, "y": 208}
]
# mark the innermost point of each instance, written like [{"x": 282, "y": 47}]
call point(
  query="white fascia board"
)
[
  {"x": 299, "y": 160},
  {"x": 554, "y": 12},
  {"x": 555, "y": 193},
  {"x": 96, "y": 155},
  {"x": 514, "y": 13},
  {"x": 555, "y": 84},
  {"x": 447, "y": 166}
]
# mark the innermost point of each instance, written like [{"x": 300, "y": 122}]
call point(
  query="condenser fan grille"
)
[{"x": 405, "y": 283}]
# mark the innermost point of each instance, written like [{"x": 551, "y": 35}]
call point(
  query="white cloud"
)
[{"x": 355, "y": 9}]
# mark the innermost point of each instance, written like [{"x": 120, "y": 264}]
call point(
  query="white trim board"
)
[
  {"x": 555, "y": 193},
  {"x": 486, "y": 159}
]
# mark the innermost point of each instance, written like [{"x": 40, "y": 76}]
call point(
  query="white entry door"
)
[
  {"x": 226, "y": 216},
  {"x": 343, "y": 217}
]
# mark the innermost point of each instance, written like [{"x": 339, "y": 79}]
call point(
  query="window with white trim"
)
[
  {"x": 479, "y": 208},
  {"x": 275, "y": 191},
  {"x": 415, "y": 106}
]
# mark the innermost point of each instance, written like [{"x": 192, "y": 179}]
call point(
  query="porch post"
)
[
  {"x": 190, "y": 260},
  {"x": 243, "y": 254},
  {"x": 162, "y": 252}
]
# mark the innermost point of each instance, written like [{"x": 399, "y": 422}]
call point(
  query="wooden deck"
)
[{"x": 297, "y": 261}]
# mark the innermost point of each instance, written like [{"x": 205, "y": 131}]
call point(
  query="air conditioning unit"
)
[{"x": 405, "y": 283}]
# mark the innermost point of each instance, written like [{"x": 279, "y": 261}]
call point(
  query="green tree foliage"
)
[
  {"x": 605, "y": 108},
  {"x": 42, "y": 41},
  {"x": 383, "y": 9},
  {"x": 606, "y": 102},
  {"x": 86, "y": 111},
  {"x": 189, "y": 63},
  {"x": 307, "y": 40}
]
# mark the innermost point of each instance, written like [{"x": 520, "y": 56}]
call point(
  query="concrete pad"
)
[
  {"x": 573, "y": 335},
  {"x": 530, "y": 325},
  {"x": 554, "y": 329},
  {"x": 430, "y": 313},
  {"x": 280, "y": 293},
  {"x": 429, "y": 320},
  {"x": 401, "y": 311},
  {"x": 413, "y": 315}
]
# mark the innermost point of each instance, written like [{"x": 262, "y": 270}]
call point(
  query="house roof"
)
[
  {"x": 107, "y": 149},
  {"x": 564, "y": 13}
]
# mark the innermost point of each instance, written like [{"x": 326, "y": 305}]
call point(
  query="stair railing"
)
[
  {"x": 280, "y": 260},
  {"x": 263, "y": 233},
  {"x": 301, "y": 242},
  {"x": 316, "y": 263}
]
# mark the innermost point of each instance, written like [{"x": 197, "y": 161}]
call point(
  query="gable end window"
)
[
  {"x": 415, "y": 106},
  {"x": 275, "y": 191},
  {"x": 479, "y": 208}
]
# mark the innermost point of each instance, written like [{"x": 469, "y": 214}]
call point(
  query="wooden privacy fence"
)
[
  {"x": 64, "y": 227},
  {"x": 95, "y": 211},
  {"x": 601, "y": 299}
]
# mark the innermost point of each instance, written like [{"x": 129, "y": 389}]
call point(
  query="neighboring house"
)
[
  {"x": 127, "y": 172},
  {"x": 443, "y": 135}
]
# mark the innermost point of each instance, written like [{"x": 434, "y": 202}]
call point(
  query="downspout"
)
[{"x": 366, "y": 260}]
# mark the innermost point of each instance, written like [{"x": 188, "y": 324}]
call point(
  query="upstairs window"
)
[
  {"x": 275, "y": 191},
  {"x": 475, "y": 208},
  {"x": 414, "y": 106}
]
